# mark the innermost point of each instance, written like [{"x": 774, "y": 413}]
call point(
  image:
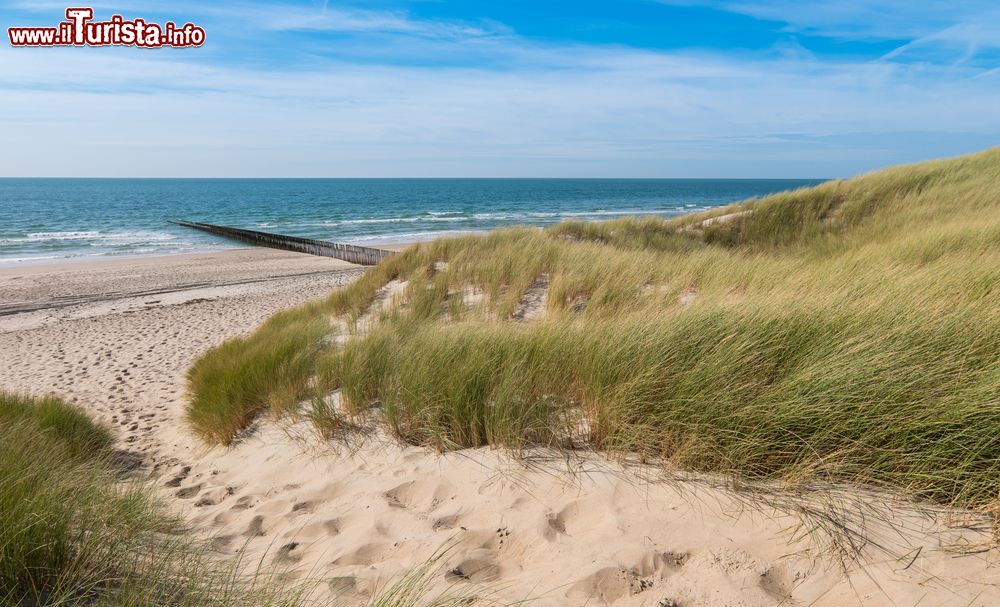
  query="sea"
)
[{"x": 55, "y": 220}]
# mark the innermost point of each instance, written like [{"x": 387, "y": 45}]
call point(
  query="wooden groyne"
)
[{"x": 365, "y": 256}]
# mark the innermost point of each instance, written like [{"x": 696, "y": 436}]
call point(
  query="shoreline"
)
[
  {"x": 8, "y": 268},
  {"x": 152, "y": 261}
]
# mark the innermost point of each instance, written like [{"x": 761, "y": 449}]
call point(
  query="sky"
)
[{"x": 522, "y": 88}]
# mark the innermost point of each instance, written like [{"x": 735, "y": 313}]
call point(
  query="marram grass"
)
[
  {"x": 848, "y": 332},
  {"x": 74, "y": 533}
]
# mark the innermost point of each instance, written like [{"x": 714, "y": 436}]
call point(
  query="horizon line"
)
[{"x": 3, "y": 177}]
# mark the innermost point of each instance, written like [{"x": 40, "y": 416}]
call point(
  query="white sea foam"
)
[
  {"x": 39, "y": 236},
  {"x": 461, "y": 217},
  {"x": 136, "y": 236},
  {"x": 408, "y": 236}
]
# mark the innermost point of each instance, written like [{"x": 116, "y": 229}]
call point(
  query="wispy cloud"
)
[
  {"x": 959, "y": 43},
  {"x": 879, "y": 19},
  {"x": 935, "y": 31},
  {"x": 357, "y": 20}
]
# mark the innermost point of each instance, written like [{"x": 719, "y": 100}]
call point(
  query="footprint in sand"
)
[
  {"x": 653, "y": 564},
  {"x": 258, "y": 527},
  {"x": 220, "y": 543},
  {"x": 348, "y": 587},
  {"x": 177, "y": 480},
  {"x": 424, "y": 496},
  {"x": 482, "y": 539},
  {"x": 477, "y": 566},
  {"x": 302, "y": 508},
  {"x": 245, "y": 502},
  {"x": 555, "y": 522},
  {"x": 215, "y": 496},
  {"x": 319, "y": 529},
  {"x": 779, "y": 582},
  {"x": 289, "y": 553},
  {"x": 446, "y": 523},
  {"x": 188, "y": 492},
  {"x": 224, "y": 518},
  {"x": 331, "y": 527},
  {"x": 608, "y": 585},
  {"x": 581, "y": 516},
  {"x": 367, "y": 555}
]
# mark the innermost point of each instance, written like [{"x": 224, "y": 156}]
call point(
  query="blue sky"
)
[{"x": 627, "y": 88}]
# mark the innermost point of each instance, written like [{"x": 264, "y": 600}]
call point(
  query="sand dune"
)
[{"x": 117, "y": 338}]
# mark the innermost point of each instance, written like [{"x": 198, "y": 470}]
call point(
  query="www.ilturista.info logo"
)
[{"x": 80, "y": 29}]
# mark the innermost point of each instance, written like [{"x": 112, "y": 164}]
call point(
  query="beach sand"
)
[{"x": 356, "y": 513}]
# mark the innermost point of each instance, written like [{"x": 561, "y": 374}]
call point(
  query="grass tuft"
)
[{"x": 244, "y": 377}]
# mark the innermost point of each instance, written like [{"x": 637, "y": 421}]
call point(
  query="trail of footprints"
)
[
  {"x": 477, "y": 553},
  {"x": 108, "y": 377}
]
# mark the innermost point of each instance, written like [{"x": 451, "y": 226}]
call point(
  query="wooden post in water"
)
[{"x": 366, "y": 256}]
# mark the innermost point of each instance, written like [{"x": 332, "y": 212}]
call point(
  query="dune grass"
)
[
  {"x": 73, "y": 533},
  {"x": 848, "y": 332},
  {"x": 63, "y": 522},
  {"x": 243, "y": 377}
]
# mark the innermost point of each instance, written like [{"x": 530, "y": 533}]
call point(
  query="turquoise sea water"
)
[{"x": 47, "y": 220}]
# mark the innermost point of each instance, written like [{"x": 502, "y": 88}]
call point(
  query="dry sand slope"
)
[{"x": 117, "y": 338}]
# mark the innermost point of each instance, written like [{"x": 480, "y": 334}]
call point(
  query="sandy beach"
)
[{"x": 117, "y": 337}]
